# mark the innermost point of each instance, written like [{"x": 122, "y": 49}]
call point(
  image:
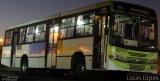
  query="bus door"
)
[
  {"x": 100, "y": 42},
  {"x": 13, "y": 48},
  {"x": 53, "y": 37}
]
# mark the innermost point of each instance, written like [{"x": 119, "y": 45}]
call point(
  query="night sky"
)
[{"x": 14, "y": 12}]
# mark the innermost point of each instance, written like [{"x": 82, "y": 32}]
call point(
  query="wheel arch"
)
[
  {"x": 24, "y": 57},
  {"x": 78, "y": 55}
]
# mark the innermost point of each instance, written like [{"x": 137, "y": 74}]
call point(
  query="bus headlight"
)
[
  {"x": 119, "y": 58},
  {"x": 152, "y": 61}
]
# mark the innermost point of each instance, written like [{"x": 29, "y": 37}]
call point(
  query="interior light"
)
[
  {"x": 56, "y": 28},
  {"x": 79, "y": 22},
  {"x": 37, "y": 30}
]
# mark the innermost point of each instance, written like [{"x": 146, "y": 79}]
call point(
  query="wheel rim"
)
[
  {"x": 24, "y": 67},
  {"x": 80, "y": 68}
]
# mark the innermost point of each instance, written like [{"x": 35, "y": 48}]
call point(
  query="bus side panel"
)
[
  {"x": 66, "y": 48},
  {"x": 20, "y": 51},
  {"x": 17, "y": 62},
  {"x": 49, "y": 60},
  {"x": 63, "y": 62},
  {"x": 35, "y": 53},
  {"x": 6, "y": 55},
  {"x": 36, "y": 62}
]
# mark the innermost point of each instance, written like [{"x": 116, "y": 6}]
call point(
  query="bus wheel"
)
[
  {"x": 79, "y": 67},
  {"x": 24, "y": 66}
]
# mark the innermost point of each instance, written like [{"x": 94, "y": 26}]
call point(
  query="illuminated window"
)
[
  {"x": 132, "y": 30},
  {"x": 8, "y": 38},
  {"x": 30, "y": 33},
  {"x": 63, "y": 33},
  {"x": 40, "y": 32},
  {"x": 79, "y": 30},
  {"x": 67, "y": 27},
  {"x": 84, "y": 24},
  {"x": 22, "y": 35},
  {"x": 70, "y": 32},
  {"x": 68, "y": 22},
  {"x": 53, "y": 36},
  {"x": 88, "y": 29}
]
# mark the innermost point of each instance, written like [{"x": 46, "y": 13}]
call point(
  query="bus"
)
[{"x": 107, "y": 36}]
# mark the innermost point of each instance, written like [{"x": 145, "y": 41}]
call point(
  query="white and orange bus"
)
[{"x": 107, "y": 36}]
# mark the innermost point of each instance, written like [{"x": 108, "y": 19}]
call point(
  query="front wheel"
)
[{"x": 79, "y": 67}]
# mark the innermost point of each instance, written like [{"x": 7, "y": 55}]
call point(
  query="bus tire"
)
[
  {"x": 78, "y": 65},
  {"x": 24, "y": 65}
]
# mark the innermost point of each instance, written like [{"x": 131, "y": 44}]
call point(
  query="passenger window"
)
[
  {"x": 40, "y": 32},
  {"x": 22, "y": 35},
  {"x": 30, "y": 33},
  {"x": 8, "y": 37},
  {"x": 67, "y": 27},
  {"x": 84, "y": 24}
]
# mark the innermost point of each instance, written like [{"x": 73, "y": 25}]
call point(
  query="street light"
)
[{"x": 1, "y": 41}]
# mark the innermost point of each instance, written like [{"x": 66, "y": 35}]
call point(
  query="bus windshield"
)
[{"x": 133, "y": 31}]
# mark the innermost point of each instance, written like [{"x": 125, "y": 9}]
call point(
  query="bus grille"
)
[
  {"x": 136, "y": 67},
  {"x": 137, "y": 60},
  {"x": 137, "y": 54}
]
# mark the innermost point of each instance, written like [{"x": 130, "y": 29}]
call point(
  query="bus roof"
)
[
  {"x": 90, "y": 7},
  {"x": 78, "y": 10}
]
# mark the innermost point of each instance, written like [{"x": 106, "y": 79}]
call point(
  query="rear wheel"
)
[{"x": 24, "y": 66}]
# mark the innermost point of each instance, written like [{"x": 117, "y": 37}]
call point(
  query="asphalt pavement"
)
[{"x": 10, "y": 74}]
